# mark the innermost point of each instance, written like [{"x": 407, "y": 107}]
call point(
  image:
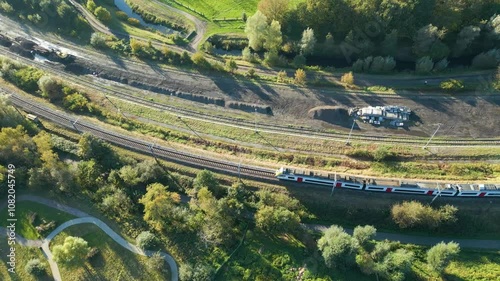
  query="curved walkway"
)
[{"x": 83, "y": 219}]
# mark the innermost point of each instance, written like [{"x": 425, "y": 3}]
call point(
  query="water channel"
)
[{"x": 123, "y": 6}]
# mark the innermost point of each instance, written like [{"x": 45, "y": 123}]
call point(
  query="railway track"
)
[
  {"x": 126, "y": 94},
  {"x": 142, "y": 146}
]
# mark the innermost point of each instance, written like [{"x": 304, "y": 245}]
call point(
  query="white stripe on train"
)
[{"x": 388, "y": 189}]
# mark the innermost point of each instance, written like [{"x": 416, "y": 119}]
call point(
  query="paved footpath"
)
[{"x": 83, "y": 218}]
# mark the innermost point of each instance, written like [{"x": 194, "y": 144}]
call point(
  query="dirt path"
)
[{"x": 84, "y": 218}]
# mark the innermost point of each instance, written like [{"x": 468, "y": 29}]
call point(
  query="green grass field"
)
[
  {"x": 112, "y": 263},
  {"x": 23, "y": 255},
  {"x": 24, "y": 209}
]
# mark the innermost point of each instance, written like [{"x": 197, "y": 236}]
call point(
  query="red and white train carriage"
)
[{"x": 459, "y": 190}]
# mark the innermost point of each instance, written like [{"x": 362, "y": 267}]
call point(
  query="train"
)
[{"x": 448, "y": 190}]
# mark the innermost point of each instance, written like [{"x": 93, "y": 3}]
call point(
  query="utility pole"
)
[
  {"x": 425, "y": 146},
  {"x": 352, "y": 127},
  {"x": 255, "y": 123},
  {"x": 334, "y": 183},
  {"x": 74, "y": 123}
]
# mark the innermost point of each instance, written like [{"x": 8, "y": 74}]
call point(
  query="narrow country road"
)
[{"x": 83, "y": 218}]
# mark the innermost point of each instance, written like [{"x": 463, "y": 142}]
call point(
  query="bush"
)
[
  {"x": 299, "y": 61},
  {"x": 452, "y": 85},
  {"x": 272, "y": 58},
  {"x": 133, "y": 21},
  {"x": 121, "y": 15},
  {"x": 347, "y": 78},
  {"x": 208, "y": 47},
  {"x": 146, "y": 240},
  {"x": 413, "y": 214},
  {"x": 98, "y": 40},
  {"x": 49, "y": 87},
  {"x": 487, "y": 60},
  {"x": 102, "y": 14},
  {"x": 382, "y": 154},
  {"x": 25, "y": 78},
  {"x": 424, "y": 65},
  {"x": 247, "y": 54},
  {"x": 199, "y": 59},
  {"x": 300, "y": 77},
  {"x": 439, "y": 256},
  {"x": 76, "y": 102},
  {"x": 35, "y": 267},
  {"x": 251, "y": 73},
  {"x": 441, "y": 65},
  {"x": 282, "y": 77}
]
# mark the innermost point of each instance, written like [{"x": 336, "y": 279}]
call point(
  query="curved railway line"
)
[
  {"x": 143, "y": 146},
  {"x": 125, "y": 94}
]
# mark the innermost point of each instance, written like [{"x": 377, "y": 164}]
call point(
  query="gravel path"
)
[{"x": 83, "y": 218}]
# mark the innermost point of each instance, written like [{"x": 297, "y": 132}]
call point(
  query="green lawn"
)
[
  {"x": 23, "y": 255},
  {"x": 112, "y": 263},
  {"x": 24, "y": 209}
]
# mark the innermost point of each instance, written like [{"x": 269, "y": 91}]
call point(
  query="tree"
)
[
  {"x": 90, "y": 147},
  {"x": 347, "y": 78},
  {"x": 377, "y": 65},
  {"x": 487, "y": 60},
  {"x": 208, "y": 47},
  {"x": 308, "y": 42},
  {"x": 273, "y": 37},
  {"x": 207, "y": 179},
  {"x": 89, "y": 174},
  {"x": 77, "y": 102},
  {"x": 199, "y": 272},
  {"x": 337, "y": 247},
  {"x": 272, "y": 58},
  {"x": 440, "y": 255},
  {"x": 50, "y": 88},
  {"x": 329, "y": 45},
  {"x": 117, "y": 204},
  {"x": 98, "y": 40},
  {"x": 91, "y": 6},
  {"x": 256, "y": 29},
  {"x": 146, "y": 240},
  {"x": 156, "y": 262},
  {"x": 424, "y": 65},
  {"x": 16, "y": 146},
  {"x": 231, "y": 65},
  {"x": 160, "y": 206},
  {"x": 199, "y": 59},
  {"x": 364, "y": 233},
  {"x": 465, "y": 38},
  {"x": 274, "y": 10},
  {"x": 102, "y": 14},
  {"x": 390, "y": 44},
  {"x": 276, "y": 219},
  {"x": 427, "y": 43},
  {"x": 72, "y": 253},
  {"x": 35, "y": 267},
  {"x": 300, "y": 77}
]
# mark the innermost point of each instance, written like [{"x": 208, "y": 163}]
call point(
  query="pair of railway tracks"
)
[
  {"x": 125, "y": 94},
  {"x": 142, "y": 146}
]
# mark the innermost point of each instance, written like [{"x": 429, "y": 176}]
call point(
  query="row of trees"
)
[
  {"x": 385, "y": 259},
  {"x": 55, "y": 14},
  {"x": 379, "y": 28}
]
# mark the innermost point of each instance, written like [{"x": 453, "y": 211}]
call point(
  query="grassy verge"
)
[
  {"x": 23, "y": 225},
  {"x": 112, "y": 263},
  {"x": 23, "y": 255},
  {"x": 162, "y": 14}
]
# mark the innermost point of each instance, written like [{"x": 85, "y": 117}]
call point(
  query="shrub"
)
[
  {"x": 300, "y": 77},
  {"x": 146, "y": 240},
  {"x": 91, "y": 6},
  {"x": 424, "y": 65},
  {"x": 487, "y": 60},
  {"x": 121, "y": 15},
  {"x": 102, "y": 14},
  {"x": 76, "y": 102},
  {"x": 208, "y": 47},
  {"x": 452, "y": 85},
  {"x": 382, "y": 153},
  {"x": 347, "y": 78},
  {"x": 247, "y": 54},
  {"x": 272, "y": 58},
  {"x": 441, "y": 65},
  {"x": 299, "y": 61},
  {"x": 231, "y": 66},
  {"x": 439, "y": 256},
  {"x": 98, "y": 40},
  {"x": 357, "y": 66},
  {"x": 199, "y": 59},
  {"x": 35, "y": 267},
  {"x": 133, "y": 21},
  {"x": 49, "y": 87},
  {"x": 413, "y": 214},
  {"x": 281, "y": 77},
  {"x": 251, "y": 73}
]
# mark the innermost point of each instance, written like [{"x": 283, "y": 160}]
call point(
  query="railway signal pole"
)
[
  {"x": 74, "y": 123},
  {"x": 352, "y": 127},
  {"x": 437, "y": 194},
  {"x": 425, "y": 146}
]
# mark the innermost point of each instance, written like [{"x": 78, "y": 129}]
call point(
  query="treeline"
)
[
  {"x": 380, "y": 30},
  {"x": 56, "y": 15}
]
